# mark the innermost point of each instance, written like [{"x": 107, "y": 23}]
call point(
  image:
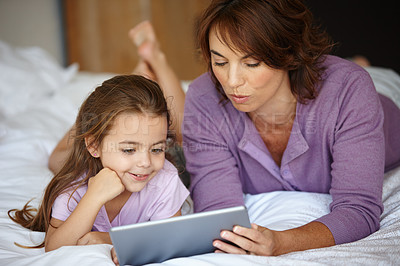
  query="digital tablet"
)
[{"x": 188, "y": 235}]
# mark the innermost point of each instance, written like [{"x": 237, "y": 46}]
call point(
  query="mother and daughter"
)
[{"x": 274, "y": 112}]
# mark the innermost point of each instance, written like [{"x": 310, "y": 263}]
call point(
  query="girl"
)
[{"x": 116, "y": 173}]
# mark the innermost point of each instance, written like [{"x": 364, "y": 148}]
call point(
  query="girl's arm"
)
[
  {"x": 103, "y": 187},
  {"x": 59, "y": 154}
]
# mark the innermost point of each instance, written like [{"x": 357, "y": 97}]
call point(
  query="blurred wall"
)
[
  {"x": 97, "y": 33},
  {"x": 33, "y": 23}
]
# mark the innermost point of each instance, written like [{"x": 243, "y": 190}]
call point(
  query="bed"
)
[{"x": 38, "y": 103}]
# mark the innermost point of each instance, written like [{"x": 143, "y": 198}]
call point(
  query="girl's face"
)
[
  {"x": 249, "y": 84},
  {"x": 135, "y": 148}
]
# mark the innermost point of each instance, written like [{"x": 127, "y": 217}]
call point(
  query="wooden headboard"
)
[{"x": 97, "y": 33}]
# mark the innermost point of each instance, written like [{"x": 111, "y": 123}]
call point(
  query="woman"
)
[{"x": 275, "y": 112}]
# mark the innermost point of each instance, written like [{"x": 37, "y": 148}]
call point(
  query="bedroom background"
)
[
  {"x": 39, "y": 101},
  {"x": 94, "y": 32}
]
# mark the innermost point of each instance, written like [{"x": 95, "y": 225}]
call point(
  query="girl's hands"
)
[
  {"x": 114, "y": 256},
  {"x": 256, "y": 240},
  {"x": 93, "y": 238},
  {"x": 106, "y": 185}
]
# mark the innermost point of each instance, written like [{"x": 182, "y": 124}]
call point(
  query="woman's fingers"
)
[{"x": 248, "y": 240}]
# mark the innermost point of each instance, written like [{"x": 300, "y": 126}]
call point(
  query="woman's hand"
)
[
  {"x": 259, "y": 240},
  {"x": 106, "y": 185},
  {"x": 93, "y": 238},
  {"x": 256, "y": 240}
]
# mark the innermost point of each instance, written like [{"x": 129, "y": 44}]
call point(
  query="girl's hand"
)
[
  {"x": 106, "y": 185},
  {"x": 114, "y": 256},
  {"x": 93, "y": 238},
  {"x": 256, "y": 240}
]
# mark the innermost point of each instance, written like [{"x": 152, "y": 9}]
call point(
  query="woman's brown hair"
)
[
  {"x": 126, "y": 93},
  {"x": 279, "y": 33}
]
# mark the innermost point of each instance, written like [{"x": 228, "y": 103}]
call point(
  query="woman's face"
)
[{"x": 249, "y": 84}]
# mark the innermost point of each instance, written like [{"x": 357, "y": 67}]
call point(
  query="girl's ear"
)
[{"x": 92, "y": 147}]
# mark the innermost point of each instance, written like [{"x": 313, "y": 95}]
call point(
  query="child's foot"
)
[
  {"x": 148, "y": 48},
  {"x": 142, "y": 32}
]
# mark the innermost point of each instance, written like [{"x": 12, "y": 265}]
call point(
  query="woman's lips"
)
[
  {"x": 138, "y": 177},
  {"x": 239, "y": 98}
]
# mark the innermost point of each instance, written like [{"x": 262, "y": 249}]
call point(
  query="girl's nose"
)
[{"x": 144, "y": 159}]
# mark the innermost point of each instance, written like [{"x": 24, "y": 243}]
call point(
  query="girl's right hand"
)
[{"x": 106, "y": 185}]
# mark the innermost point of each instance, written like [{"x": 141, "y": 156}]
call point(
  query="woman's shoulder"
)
[
  {"x": 339, "y": 70},
  {"x": 202, "y": 86},
  {"x": 341, "y": 77}
]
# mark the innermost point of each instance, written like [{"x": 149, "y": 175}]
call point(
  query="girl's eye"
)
[
  {"x": 128, "y": 151},
  {"x": 157, "y": 150}
]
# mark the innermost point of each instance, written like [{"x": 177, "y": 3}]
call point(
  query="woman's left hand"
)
[{"x": 256, "y": 240}]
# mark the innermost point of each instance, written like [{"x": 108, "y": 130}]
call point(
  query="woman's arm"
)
[
  {"x": 102, "y": 188},
  {"x": 215, "y": 181}
]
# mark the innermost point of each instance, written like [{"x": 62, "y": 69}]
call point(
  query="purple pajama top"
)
[
  {"x": 336, "y": 146},
  {"x": 161, "y": 198}
]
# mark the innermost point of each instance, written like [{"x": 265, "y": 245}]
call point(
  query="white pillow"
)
[
  {"x": 282, "y": 210},
  {"x": 387, "y": 82},
  {"x": 26, "y": 75}
]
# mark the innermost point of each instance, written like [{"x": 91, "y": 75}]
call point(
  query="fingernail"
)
[
  {"x": 216, "y": 244},
  {"x": 236, "y": 229}
]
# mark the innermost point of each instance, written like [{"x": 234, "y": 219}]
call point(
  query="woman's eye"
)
[
  {"x": 219, "y": 64},
  {"x": 253, "y": 65}
]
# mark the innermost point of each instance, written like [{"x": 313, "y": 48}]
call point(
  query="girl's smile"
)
[
  {"x": 135, "y": 148},
  {"x": 138, "y": 177}
]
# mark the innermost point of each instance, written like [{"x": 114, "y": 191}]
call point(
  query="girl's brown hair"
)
[
  {"x": 279, "y": 33},
  {"x": 127, "y": 93}
]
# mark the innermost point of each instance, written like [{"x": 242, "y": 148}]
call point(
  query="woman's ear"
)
[{"x": 92, "y": 147}]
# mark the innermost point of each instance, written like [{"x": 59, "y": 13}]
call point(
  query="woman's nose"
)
[{"x": 235, "y": 78}]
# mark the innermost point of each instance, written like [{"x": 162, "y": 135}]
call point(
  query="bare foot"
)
[
  {"x": 361, "y": 60},
  {"x": 142, "y": 32},
  {"x": 143, "y": 36},
  {"x": 151, "y": 58}
]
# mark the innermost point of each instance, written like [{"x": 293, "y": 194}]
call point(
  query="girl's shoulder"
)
[{"x": 77, "y": 189}]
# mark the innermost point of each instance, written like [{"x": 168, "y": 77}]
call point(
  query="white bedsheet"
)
[{"x": 28, "y": 134}]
